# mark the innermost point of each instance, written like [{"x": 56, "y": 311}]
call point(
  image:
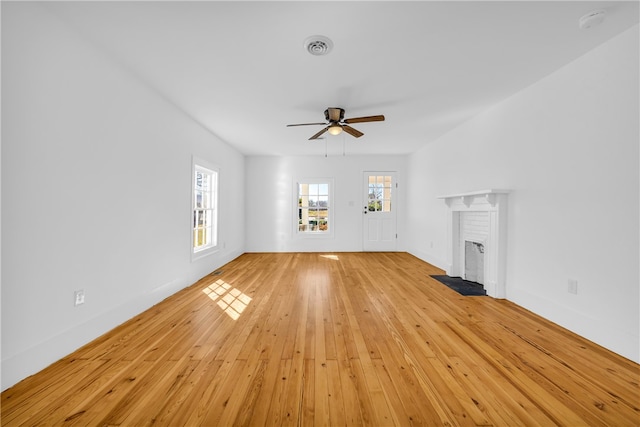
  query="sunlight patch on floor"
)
[{"x": 231, "y": 300}]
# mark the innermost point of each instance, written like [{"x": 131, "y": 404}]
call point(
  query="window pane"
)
[
  {"x": 205, "y": 219},
  {"x": 200, "y": 199},
  {"x": 206, "y": 181},
  {"x": 313, "y": 205},
  {"x": 206, "y": 201},
  {"x": 202, "y": 236},
  {"x": 207, "y": 236},
  {"x": 303, "y": 219},
  {"x": 313, "y": 219},
  {"x": 198, "y": 237},
  {"x": 203, "y": 181}
]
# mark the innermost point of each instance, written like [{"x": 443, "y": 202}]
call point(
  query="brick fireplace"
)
[{"x": 478, "y": 221}]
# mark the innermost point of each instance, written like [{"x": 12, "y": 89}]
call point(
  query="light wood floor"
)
[{"x": 321, "y": 339}]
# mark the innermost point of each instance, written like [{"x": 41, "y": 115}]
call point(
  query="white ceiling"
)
[{"x": 240, "y": 69}]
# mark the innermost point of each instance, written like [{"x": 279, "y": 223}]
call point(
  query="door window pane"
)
[{"x": 380, "y": 187}]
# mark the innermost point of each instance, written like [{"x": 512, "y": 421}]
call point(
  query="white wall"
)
[
  {"x": 568, "y": 148},
  {"x": 96, "y": 193},
  {"x": 271, "y": 208}
]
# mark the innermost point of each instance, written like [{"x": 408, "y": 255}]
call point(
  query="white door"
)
[{"x": 379, "y": 211}]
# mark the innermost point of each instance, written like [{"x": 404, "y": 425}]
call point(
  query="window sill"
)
[
  {"x": 314, "y": 235},
  {"x": 195, "y": 256}
]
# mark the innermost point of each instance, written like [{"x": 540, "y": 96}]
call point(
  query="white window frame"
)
[
  {"x": 212, "y": 170},
  {"x": 297, "y": 231}
]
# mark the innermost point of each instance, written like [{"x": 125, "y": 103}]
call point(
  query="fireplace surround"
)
[{"x": 479, "y": 217}]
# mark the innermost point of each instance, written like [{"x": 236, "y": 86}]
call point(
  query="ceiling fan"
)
[{"x": 336, "y": 123}]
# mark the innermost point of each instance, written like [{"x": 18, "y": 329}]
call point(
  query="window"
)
[
  {"x": 314, "y": 207},
  {"x": 205, "y": 218},
  {"x": 380, "y": 193}
]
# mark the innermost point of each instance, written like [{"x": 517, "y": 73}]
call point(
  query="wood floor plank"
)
[
  {"x": 307, "y": 403},
  {"x": 176, "y": 409},
  {"x": 321, "y": 392},
  {"x": 331, "y": 339},
  {"x": 334, "y": 394},
  {"x": 45, "y": 405},
  {"x": 574, "y": 384}
]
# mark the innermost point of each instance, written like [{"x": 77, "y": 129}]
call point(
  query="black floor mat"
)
[{"x": 461, "y": 286}]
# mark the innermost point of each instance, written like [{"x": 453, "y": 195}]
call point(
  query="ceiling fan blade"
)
[
  {"x": 319, "y": 133},
  {"x": 351, "y": 131},
  {"x": 378, "y": 118},
  {"x": 307, "y": 124}
]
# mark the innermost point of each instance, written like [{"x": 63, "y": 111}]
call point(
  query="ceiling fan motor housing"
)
[{"x": 334, "y": 114}]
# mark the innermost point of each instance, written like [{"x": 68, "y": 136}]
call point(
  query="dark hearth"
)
[{"x": 461, "y": 286}]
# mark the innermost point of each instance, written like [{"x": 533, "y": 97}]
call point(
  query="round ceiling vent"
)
[
  {"x": 318, "y": 45},
  {"x": 591, "y": 19}
]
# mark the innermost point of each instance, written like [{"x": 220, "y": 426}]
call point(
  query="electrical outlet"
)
[
  {"x": 572, "y": 286},
  {"x": 78, "y": 297}
]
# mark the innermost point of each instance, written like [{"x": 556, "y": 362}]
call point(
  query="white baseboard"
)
[
  {"x": 607, "y": 335},
  {"x": 39, "y": 356},
  {"x": 34, "y": 359},
  {"x": 427, "y": 257}
]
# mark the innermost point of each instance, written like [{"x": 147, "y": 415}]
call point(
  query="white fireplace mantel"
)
[
  {"x": 491, "y": 196},
  {"x": 494, "y": 202}
]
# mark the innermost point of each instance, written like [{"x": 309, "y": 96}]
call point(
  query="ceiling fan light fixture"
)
[{"x": 335, "y": 129}]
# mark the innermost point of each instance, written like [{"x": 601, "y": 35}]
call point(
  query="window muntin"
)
[
  {"x": 380, "y": 193},
  {"x": 204, "y": 226},
  {"x": 314, "y": 210}
]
